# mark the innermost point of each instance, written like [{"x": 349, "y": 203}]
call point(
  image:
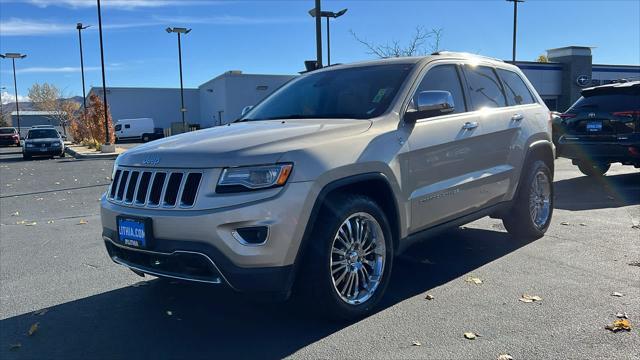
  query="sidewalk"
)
[{"x": 83, "y": 152}]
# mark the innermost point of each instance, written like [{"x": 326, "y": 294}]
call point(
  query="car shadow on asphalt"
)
[
  {"x": 167, "y": 319},
  {"x": 585, "y": 192}
]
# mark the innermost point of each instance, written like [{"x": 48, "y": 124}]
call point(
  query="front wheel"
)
[
  {"x": 593, "y": 169},
  {"x": 532, "y": 208},
  {"x": 350, "y": 259}
]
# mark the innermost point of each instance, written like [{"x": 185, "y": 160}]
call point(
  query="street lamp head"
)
[
  {"x": 80, "y": 27},
  {"x": 340, "y": 13},
  {"x": 13, "y": 56},
  {"x": 178, "y": 30}
]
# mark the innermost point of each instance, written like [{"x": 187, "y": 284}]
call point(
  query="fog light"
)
[{"x": 254, "y": 235}]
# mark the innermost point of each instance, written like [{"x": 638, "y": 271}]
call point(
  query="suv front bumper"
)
[{"x": 198, "y": 245}]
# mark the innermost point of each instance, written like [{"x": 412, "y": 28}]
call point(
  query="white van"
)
[{"x": 133, "y": 129}]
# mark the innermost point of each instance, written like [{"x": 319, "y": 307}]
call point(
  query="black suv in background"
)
[{"x": 601, "y": 128}]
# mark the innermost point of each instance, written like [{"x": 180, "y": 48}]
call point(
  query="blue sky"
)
[{"x": 275, "y": 37}]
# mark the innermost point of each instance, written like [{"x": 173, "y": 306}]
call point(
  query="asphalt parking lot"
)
[{"x": 54, "y": 272}]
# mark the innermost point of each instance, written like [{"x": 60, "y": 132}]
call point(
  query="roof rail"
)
[{"x": 465, "y": 54}]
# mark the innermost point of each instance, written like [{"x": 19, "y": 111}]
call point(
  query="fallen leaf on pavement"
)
[
  {"x": 618, "y": 325},
  {"x": 635, "y": 226},
  {"x": 473, "y": 279},
  {"x": 33, "y": 328},
  {"x": 529, "y": 298},
  {"x": 583, "y": 224},
  {"x": 140, "y": 283},
  {"x": 39, "y": 199},
  {"x": 169, "y": 312},
  {"x": 17, "y": 213},
  {"x": 20, "y": 222},
  {"x": 622, "y": 315},
  {"x": 505, "y": 357},
  {"x": 429, "y": 297},
  {"x": 617, "y": 294},
  {"x": 564, "y": 223},
  {"x": 416, "y": 343},
  {"x": 83, "y": 222},
  {"x": 40, "y": 312},
  {"x": 470, "y": 335},
  {"x": 15, "y": 346},
  {"x": 57, "y": 182},
  {"x": 31, "y": 224}
]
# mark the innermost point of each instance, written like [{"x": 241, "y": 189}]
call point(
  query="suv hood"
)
[{"x": 238, "y": 144}]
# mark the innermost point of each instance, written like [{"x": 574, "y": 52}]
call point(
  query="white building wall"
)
[
  {"x": 212, "y": 101},
  {"x": 162, "y": 105}
]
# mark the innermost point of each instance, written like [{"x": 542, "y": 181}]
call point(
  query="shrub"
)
[{"x": 90, "y": 130}]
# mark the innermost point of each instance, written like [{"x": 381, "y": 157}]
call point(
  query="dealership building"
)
[{"x": 221, "y": 100}]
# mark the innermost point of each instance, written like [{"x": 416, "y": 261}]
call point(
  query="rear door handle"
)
[
  {"x": 470, "y": 125},
  {"x": 517, "y": 117}
]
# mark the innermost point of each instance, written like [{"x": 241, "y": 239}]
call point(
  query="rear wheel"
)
[
  {"x": 593, "y": 169},
  {"x": 146, "y": 138},
  {"x": 26, "y": 157},
  {"x": 532, "y": 208},
  {"x": 349, "y": 263}
]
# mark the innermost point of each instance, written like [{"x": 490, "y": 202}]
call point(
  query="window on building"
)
[
  {"x": 515, "y": 89},
  {"x": 445, "y": 78},
  {"x": 485, "y": 90}
]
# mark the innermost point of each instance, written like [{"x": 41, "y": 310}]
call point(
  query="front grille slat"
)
[{"x": 155, "y": 188}]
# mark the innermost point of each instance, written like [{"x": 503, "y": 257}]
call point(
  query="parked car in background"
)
[
  {"x": 9, "y": 136},
  {"x": 326, "y": 180},
  {"x": 43, "y": 142},
  {"x": 601, "y": 128},
  {"x": 137, "y": 129}
]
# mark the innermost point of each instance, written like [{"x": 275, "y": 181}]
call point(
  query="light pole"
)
[
  {"x": 84, "y": 95},
  {"x": 515, "y": 27},
  {"x": 13, "y": 57},
  {"x": 328, "y": 15},
  {"x": 180, "y": 31},
  {"x": 107, "y": 140}
]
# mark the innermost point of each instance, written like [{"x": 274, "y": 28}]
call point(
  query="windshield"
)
[
  {"x": 7, "y": 131},
  {"x": 355, "y": 93},
  {"x": 42, "y": 134}
]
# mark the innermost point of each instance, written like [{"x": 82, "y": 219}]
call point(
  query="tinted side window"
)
[
  {"x": 484, "y": 88},
  {"x": 445, "y": 77},
  {"x": 118, "y": 127},
  {"x": 127, "y": 126},
  {"x": 516, "y": 90}
]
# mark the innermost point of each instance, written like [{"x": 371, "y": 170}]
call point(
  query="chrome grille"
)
[{"x": 155, "y": 188}]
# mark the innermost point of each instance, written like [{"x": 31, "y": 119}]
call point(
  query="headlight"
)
[
  {"x": 56, "y": 143},
  {"x": 29, "y": 145},
  {"x": 253, "y": 178}
]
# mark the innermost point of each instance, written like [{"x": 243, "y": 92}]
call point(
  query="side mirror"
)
[
  {"x": 431, "y": 103},
  {"x": 245, "y": 110}
]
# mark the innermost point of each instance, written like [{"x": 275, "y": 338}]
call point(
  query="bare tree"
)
[
  {"x": 47, "y": 97},
  {"x": 417, "y": 45}
]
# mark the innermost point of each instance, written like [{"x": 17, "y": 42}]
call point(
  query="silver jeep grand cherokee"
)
[{"x": 321, "y": 184}]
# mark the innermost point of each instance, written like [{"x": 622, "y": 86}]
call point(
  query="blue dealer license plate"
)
[
  {"x": 594, "y": 126},
  {"x": 134, "y": 232}
]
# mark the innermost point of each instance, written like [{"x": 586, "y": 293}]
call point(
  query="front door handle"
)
[
  {"x": 517, "y": 117},
  {"x": 469, "y": 125}
]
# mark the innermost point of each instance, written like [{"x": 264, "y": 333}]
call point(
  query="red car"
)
[{"x": 9, "y": 136}]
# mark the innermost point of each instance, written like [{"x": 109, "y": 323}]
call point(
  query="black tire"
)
[
  {"x": 519, "y": 222},
  {"x": 593, "y": 169},
  {"x": 26, "y": 157},
  {"x": 146, "y": 138},
  {"x": 317, "y": 278},
  {"x": 63, "y": 154}
]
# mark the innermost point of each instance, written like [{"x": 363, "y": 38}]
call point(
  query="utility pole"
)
[
  {"x": 13, "y": 57},
  {"x": 107, "y": 141},
  {"x": 84, "y": 95},
  {"x": 515, "y": 27},
  {"x": 180, "y": 31},
  {"x": 318, "y": 35}
]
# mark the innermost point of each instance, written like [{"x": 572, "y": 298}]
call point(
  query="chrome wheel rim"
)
[
  {"x": 540, "y": 199},
  {"x": 357, "y": 260}
]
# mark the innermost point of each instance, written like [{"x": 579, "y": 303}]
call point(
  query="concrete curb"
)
[{"x": 97, "y": 155}]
